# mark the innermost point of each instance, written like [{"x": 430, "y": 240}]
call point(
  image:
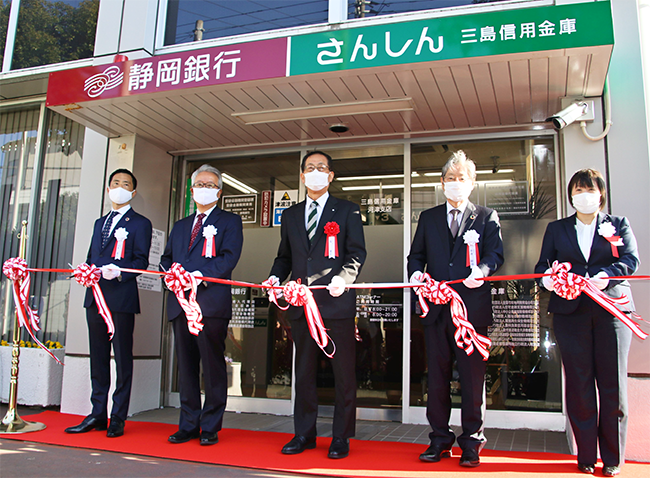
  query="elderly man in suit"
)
[
  {"x": 121, "y": 239},
  {"x": 439, "y": 247},
  {"x": 303, "y": 254},
  {"x": 187, "y": 245}
]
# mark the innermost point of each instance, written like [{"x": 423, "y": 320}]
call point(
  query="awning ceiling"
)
[{"x": 447, "y": 97}]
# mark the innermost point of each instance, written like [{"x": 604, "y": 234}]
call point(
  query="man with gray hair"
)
[
  {"x": 207, "y": 243},
  {"x": 456, "y": 240}
]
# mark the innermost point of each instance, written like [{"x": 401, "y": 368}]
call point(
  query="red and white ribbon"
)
[
  {"x": 299, "y": 295},
  {"x": 471, "y": 238},
  {"x": 15, "y": 269},
  {"x": 608, "y": 231},
  {"x": 88, "y": 276},
  {"x": 569, "y": 286},
  {"x": 120, "y": 236},
  {"x": 178, "y": 280},
  {"x": 465, "y": 336},
  {"x": 331, "y": 246},
  {"x": 208, "y": 243}
]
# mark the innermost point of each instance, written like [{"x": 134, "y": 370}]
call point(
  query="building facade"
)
[{"x": 389, "y": 90}]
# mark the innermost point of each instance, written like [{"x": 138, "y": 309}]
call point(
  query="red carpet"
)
[{"x": 252, "y": 449}]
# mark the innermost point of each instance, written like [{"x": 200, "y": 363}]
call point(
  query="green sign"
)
[{"x": 464, "y": 36}]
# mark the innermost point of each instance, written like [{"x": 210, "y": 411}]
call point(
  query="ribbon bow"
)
[
  {"x": 178, "y": 280},
  {"x": 15, "y": 269},
  {"x": 88, "y": 276},
  {"x": 466, "y": 337},
  {"x": 569, "y": 286}
]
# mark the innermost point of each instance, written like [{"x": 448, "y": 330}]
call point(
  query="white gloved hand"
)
[
  {"x": 547, "y": 281},
  {"x": 417, "y": 278},
  {"x": 336, "y": 286},
  {"x": 471, "y": 282},
  {"x": 600, "y": 280},
  {"x": 110, "y": 271},
  {"x": 198, "y": 275},
  {"x": 273, "y": 281}
]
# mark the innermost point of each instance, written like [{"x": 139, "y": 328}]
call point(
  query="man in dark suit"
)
[
  {"x": 439, "y": 246},
  {"x": 303, "y": 252},
  {"x": 121, "y": 239},
  {"x": 189, "y": 244}
]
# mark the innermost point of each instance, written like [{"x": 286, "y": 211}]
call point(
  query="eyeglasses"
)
[
  {"x": 321, "y": 167},
  {"x": 205, "y": 185}
]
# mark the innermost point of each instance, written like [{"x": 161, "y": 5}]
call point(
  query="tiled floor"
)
[{"x": 498, "y": 439}]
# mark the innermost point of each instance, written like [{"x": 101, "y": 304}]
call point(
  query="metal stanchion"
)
[{"x": 12, "y": 423}]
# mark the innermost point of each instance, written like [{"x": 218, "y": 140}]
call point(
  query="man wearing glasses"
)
[
  {"x": 308, "y": 252},
  {"x": 207, "y": 243}
]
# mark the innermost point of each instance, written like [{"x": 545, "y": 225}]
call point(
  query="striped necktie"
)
[{"x": 311, "y": 220}]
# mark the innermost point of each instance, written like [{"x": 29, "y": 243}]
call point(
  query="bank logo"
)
[{"x": 112, "y": 77}]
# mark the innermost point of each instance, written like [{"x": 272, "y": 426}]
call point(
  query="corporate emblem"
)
[{"x": 112, "y": 77}]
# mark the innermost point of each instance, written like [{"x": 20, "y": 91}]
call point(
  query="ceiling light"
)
[
  {"x": 325, "y": 111},
  {"x": 380, "y": 176},
  {"x": 433, "y": 174},
  {"x": 339, "y": 128},
  {"x": 492, "y": 171},
  {"x": 238, "y": 185}
]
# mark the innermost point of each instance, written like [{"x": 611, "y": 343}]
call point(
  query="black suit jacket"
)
[
  {"x": 121, "y": 294},
  {"x": 430, "y": 252},
  {"x": 215, "y": 299},
  {"x": 309, "y": 263},
  {"x": 561, "y": 244}
]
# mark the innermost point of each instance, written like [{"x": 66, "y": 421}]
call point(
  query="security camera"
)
[{"x": 570, "y": 114}]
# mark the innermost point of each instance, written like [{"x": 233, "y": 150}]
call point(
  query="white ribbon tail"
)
[
  {"x": 104, "y": 311},
  {"x": 317, "y": 327},
  {"x": 609, "y": 304},
  {"x": 191, "y": 308},
  {"x": 119, "y": 247},
  {"x": 331, "y": 247}
]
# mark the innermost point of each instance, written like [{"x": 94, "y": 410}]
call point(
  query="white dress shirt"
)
[
  {"x": 120, "y": 212},
  {"x": 319, "y": 210},
  {"x": 459, "y": 216},
  {"x": 585, "y": 234}
]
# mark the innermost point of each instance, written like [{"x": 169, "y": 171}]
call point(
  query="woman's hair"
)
[{"x": 588, "y": 178}]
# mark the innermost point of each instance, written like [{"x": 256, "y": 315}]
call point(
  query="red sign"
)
[
  {"x": 176, "y": 71},
  {"x": 265, "y": 220}
]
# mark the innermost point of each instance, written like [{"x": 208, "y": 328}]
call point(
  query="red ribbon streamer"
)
[
  {"x": 88, "y": 276},
  {"x": 178, "y": 280},
  {"x": 331, "y": 230}
]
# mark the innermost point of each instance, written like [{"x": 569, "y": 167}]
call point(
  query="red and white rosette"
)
[
  {"x": 208, "y": 243},
  {"x": 569, "y": 286},
  {"x": 15, "y": 269},
  {"x": 88, "y": 276},
  {"x": 178, "y": 280},
  {"x": 465, "y": 336},
  {"x": 471, "y": 238},
  {"x": 608, "y": 231},
  {"x": 331, "y": 246},
  {"x": 120, "y": 237},
  {"x": 299, "y": 295}
]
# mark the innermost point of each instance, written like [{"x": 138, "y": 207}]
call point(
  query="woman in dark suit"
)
[{"x": 594, "y": 344}]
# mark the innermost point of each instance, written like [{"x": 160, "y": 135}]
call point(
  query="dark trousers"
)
[
  {"x": 308, "y": 355},
  {"x": 191, "y": 350},
  {"x": 441, "y": 349},
  {"x": 594, "y": 347},
  {"x": 100, "y": 362}
]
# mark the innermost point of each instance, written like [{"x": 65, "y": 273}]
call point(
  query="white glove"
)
[
  {"x": 273, "y": 281},
  {"x": 336, "y": 286},
  {"x": 600, "y": 280},
  {"x": 547, "y": 281},
  {"x": 198, "y": 275},
  {"x": 110, "y": 271},
  {"x": 417, "y": 278},
  {"x": 471, "y": 282}
]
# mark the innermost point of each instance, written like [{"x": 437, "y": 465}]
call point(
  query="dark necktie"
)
[
  {"x": 195, "y": 230},
  {"x": 108, "y": 225},
  {"x": 311, "y": 221},
  {"x": 453, "y": 227}
]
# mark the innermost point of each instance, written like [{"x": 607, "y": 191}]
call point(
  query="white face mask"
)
[
  {"x": 316, "y": 180},
  {"x": 586, "y": 203},
  {"x": 120, "y": 195},
  {"x": 458, "y": 191},
  {"x": 205, "y": 196}
]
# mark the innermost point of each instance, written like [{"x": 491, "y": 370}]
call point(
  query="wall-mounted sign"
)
[
  {"x": 265, "y": 215},
  {"x": 283, "y": 199},
  {"x": 245, "y": 205},
  {"x": 507, "y": 198}
]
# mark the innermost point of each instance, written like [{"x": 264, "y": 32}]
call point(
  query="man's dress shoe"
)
[
  {"x": 611, "y": 470},
  {"x": 586, "y": 468},
  {"x": 470, "y": 459},
  {"x": 340, "y": 448},
  {"x": 209, "y": 438},
  {"x": 434, "y": 453},
  {"x": 298, "y": 444},
  {"x": 88, "y": 423},
  {"x": 116, "y": 428},
  {"x": 182, "y": 437}
]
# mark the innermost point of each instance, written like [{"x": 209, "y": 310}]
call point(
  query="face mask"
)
[
  {"x": 586, "y": 203},
  {"x": 457, "y": 191},
  {"x": 316, "y": 180},
  {"x": 120, "y": 195},
  {"x": 205, "y": 196}
]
